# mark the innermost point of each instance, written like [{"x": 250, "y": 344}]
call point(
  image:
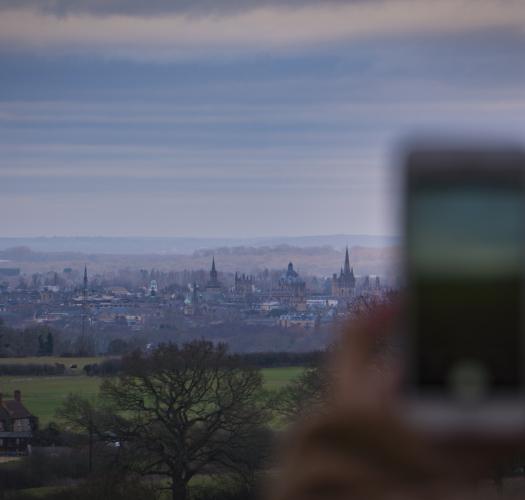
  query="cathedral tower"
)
[{"x": 344, "y": 284}]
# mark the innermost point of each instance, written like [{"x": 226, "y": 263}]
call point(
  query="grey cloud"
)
[{"x": 62, "y": 8}]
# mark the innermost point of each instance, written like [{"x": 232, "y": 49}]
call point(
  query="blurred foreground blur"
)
[{"x": 359, "y": 445}]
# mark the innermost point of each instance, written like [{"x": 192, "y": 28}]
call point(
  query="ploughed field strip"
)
[{"x": 44, "y": 394}]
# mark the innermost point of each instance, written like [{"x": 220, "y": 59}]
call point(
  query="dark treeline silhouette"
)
[
  {"x": 38, "y": 340},
  {"x": 107, "y": 367},
  {"x": 113, "y": 366}
]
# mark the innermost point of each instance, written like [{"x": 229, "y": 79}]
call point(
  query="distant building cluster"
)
[{"x": 141, "y": 300}]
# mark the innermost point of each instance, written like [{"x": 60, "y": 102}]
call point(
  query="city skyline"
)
[{"x": 239, "y": 119}]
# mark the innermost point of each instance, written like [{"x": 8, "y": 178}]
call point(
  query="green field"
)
[
  {"x": 42, "y": 395},
  {"x": 276, "y": 378}
]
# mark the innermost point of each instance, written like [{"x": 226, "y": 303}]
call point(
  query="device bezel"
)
[{"x": 455, "y": 165}]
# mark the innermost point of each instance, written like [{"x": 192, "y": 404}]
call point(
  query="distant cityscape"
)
[{"x": 92, "y": 309}]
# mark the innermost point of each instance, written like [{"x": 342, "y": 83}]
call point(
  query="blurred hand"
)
[{"x": 362, "y": 447}]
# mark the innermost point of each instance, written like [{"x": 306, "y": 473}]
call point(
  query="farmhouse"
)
[{"x": 16, "y": 425}]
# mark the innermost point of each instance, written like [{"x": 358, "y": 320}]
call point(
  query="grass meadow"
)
[{"x": 42, "y": 394}]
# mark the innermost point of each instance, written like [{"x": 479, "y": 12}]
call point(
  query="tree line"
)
[
  {"x": 113, "y": 366},
  {"x": 38, "y": 340}
]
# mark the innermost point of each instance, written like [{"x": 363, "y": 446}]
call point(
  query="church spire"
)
[
  {"x": 213, "y": 272},
  {"x": 85, "y": 278},
  {"x": 347, "y": 262}
]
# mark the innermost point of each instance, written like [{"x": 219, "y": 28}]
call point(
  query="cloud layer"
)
[
  {"x": 162, "y": 29},
  {"x": 214, "y": 118},
  {"x": 154, "y": 7}
]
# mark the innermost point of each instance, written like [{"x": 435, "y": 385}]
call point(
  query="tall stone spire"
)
[
  {"x": 85, "y": 278},
  {"x": 213, "y": 283},
  {"x": 213, "y": 272},
  {"x": 347, "y": 262},
  {"x": 214, "y": 275}
]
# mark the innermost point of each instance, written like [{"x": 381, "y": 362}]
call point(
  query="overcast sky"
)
[{"x": 239, "y": 117}]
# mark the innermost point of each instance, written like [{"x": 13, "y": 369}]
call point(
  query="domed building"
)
[{"x": 291, "y": 289}]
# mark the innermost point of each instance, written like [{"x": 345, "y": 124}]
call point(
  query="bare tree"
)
[
  {"x": 303, "y": 396},
  {"x": 188, "y": 410},
  {"x": 87, "y": 417}
]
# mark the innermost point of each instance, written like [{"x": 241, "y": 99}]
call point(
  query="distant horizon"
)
[
  {"x": 126, "y": 245},
  {"x": 228, "y": 237}
]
